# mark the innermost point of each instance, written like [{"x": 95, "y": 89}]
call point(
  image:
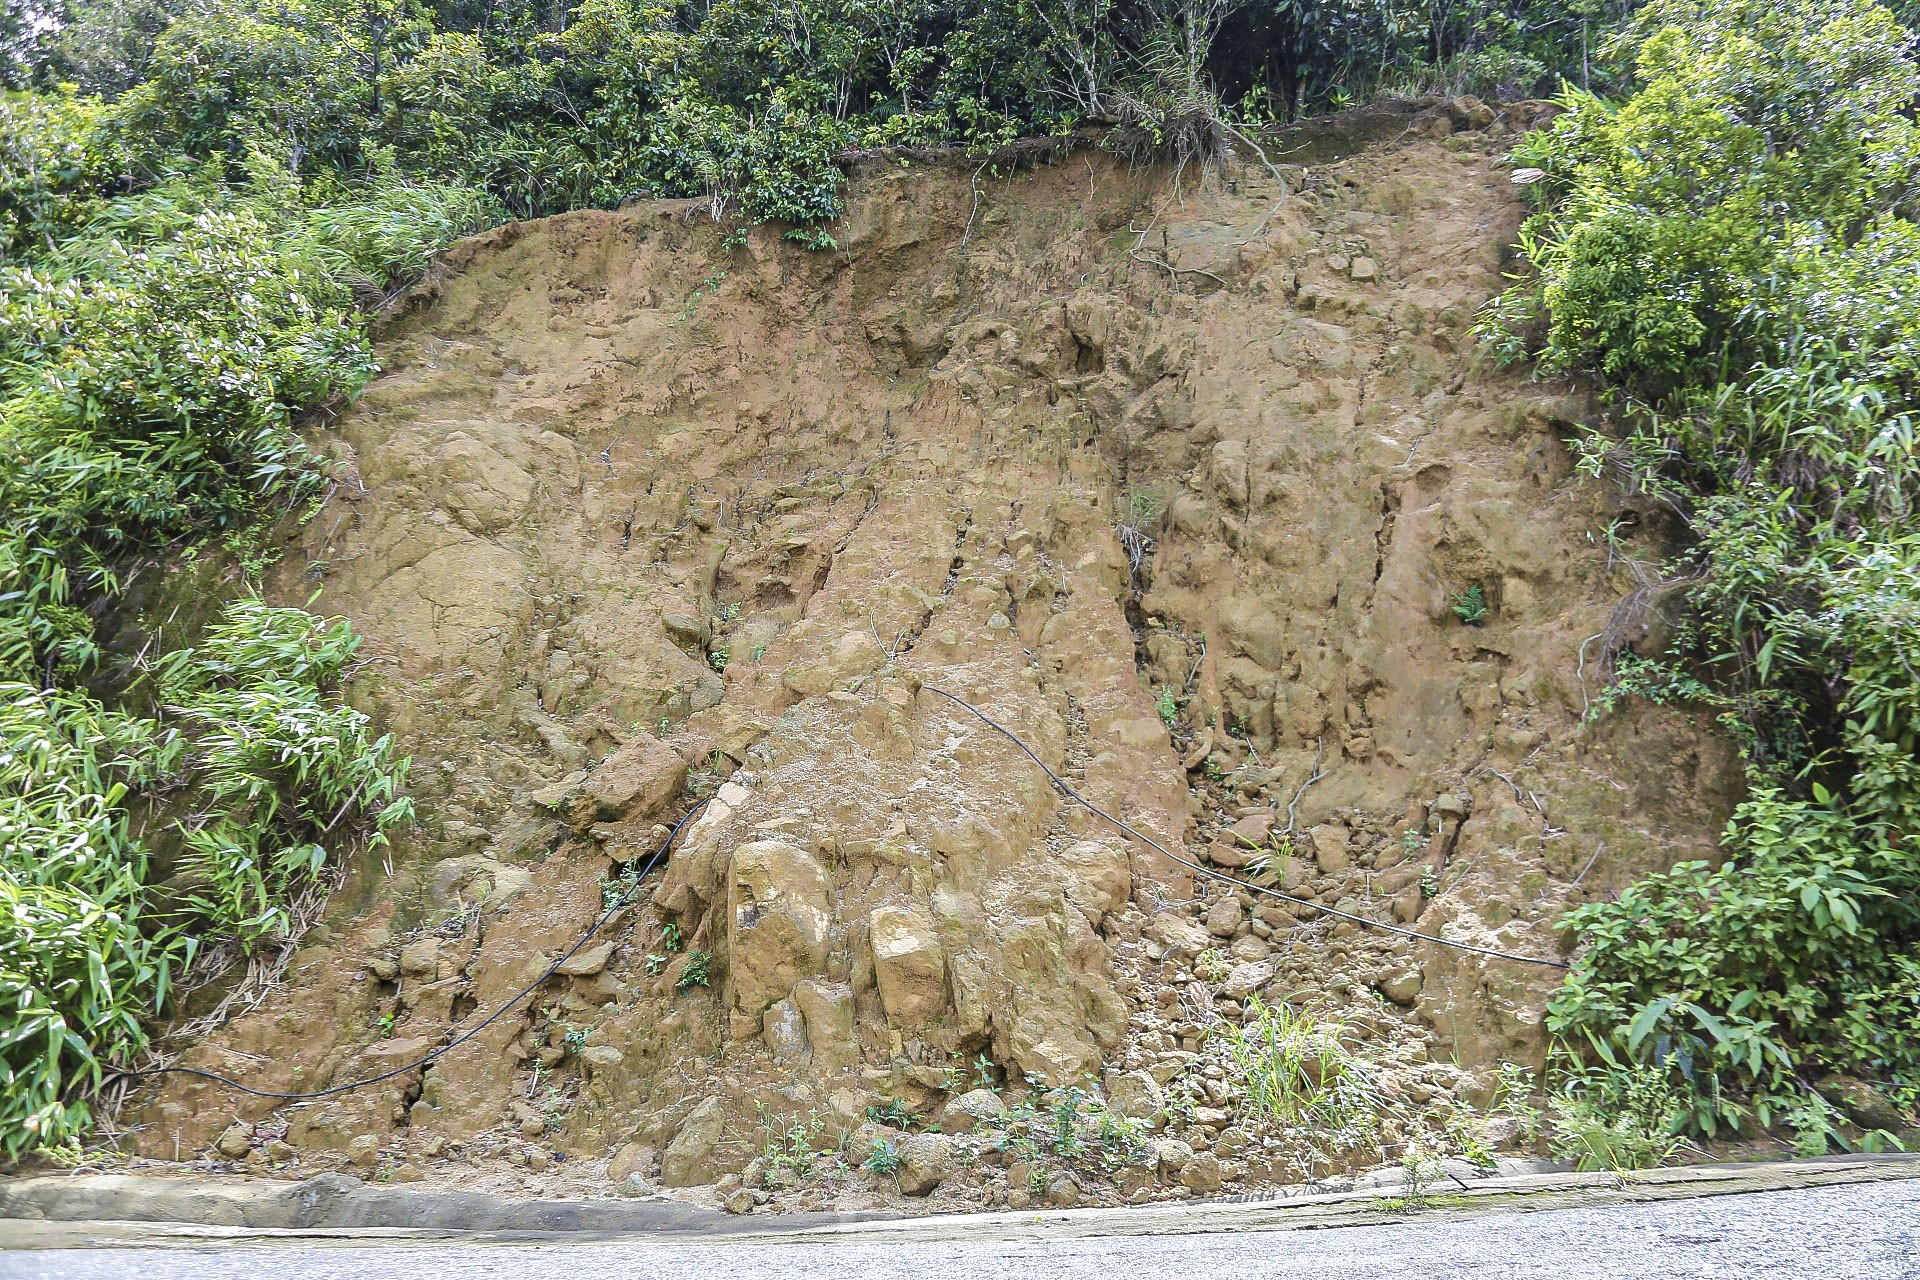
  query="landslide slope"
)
[{"x": 641, "y": 505}]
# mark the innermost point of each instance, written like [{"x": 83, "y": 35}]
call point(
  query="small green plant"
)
[
  {"x": 718, "y": 658},
  {"x": 575, "y": 1038},
  {"x": 384, "y": 1024},
  {"x": 696, "y": 973},
  {"x": 814, "y": 238},
  {"x": 1617, "y": 1120},
  {"x": 654, "y": 963},
  {"x": 791, "y": 1141},
  {"x": 670, "y": 936},
  {"x": 1169, "y": 708},
  {"x": 1296, "y": 1068},
  {"x": 884, "y": 1160},
  {"x": 1429, "y": 881},
  {"x": 1514, "y": 1097},
  {"x": 893, "y": 1113},
  {"x": 1212, "y": 964},
  {"x": 1464, "y": 1136},
  {"x": 1037, "y": 1181},
  {"x": 1470, "y": 606},
  {"x": 1412, "y": 841},
  {"x": 1420, "y": 1167},
  {"x": 1811, "y": 1121}
]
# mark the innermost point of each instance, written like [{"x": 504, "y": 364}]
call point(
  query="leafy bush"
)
[
  {"x": 1613, "y": 1122},
  {"x": 1729, "y": 252},
  {"x": 265, "y": 766},
  {"x": 155, "y": 349}
]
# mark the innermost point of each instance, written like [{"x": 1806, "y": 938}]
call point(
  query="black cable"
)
[
  {"x": 1141, "y": 836},
  {"x": 433, "y": 1055}
]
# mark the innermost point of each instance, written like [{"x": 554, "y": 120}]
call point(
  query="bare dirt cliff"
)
[{"x": 1179, "y": 485}]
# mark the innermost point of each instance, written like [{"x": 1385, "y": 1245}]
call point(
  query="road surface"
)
[{"x": 1863, "y": 1232}]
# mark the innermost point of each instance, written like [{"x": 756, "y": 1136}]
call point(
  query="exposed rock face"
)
[
  {"x": 908, "y": 966},
  {"x": 637, "y": 516},
  {"x": 689, "y": 1159},
  {"x": 779, "y": 922}
]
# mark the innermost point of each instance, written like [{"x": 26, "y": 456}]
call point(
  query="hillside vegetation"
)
[{"x": 200, "y": 205}]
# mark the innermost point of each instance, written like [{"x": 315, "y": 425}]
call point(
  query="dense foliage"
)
[
  {"x": 1732, "y": 251},
  {"x": 256, "y": 763},
  {"x": 555, "y": 104},
  {"x": 157, "y": 341}
]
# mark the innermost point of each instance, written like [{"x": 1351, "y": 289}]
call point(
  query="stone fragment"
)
[
  {"x": 1245, "y": 979},
  {"x": 739, "y": 1201},
  {"x": 688, "y": 633},
  {"x": 1178, "y": 934},
  {"x": 828, "y": 1010},
  {"x": 1251, "y": 948},
  {"x": 385, "y": 968},
  {"x": 1225, "y": 853},
  {"x": 689, "y": 1158},
  {"x": 779, "y": 917},
  {"x": 420, "y": 959},
  {"x": 1097, "y": 877},
  {"x": 1864, "y": 1104},
  {"x": 587, "y": 961},
  {"x": 1170, "y": 1156},
  {"x": 596, "y": 1059},
  {"x": 909, "y": 966},
  {"x": 970, "y": 1109},
  {"x": 1224, "y": 917},
  {"x": 925, "y": 1161},
  {"x": 635, "y": 782},
  {"x": 364, "y": 1151},
  {"x": 1137, "y": 1096},
  {"x": 1201, "y": 1175},
  {"x": 1330, "y": 848},
  {"x": 1062, "y": 1191},
  {"x": 1364, "y": 269},
  {"x": 235, "y": 1142},
  {"x": 785, "y": 1030},
  {"x": 635, "y": 1157},
  {"x": 1402, "y": 987}
]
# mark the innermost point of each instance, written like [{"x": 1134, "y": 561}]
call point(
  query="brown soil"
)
[{"x": 613, "y": 452}]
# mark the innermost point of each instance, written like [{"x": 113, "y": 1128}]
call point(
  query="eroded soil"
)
[{"x": 1180, "y": 486}]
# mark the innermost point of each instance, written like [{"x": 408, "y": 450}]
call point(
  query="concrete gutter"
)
[{"x": 104, "y": 1209}]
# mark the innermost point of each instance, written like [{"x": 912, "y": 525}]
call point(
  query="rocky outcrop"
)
[{"x": 640, "y": 514}]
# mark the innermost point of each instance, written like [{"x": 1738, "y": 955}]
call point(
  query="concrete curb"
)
[
  {"x": 340, "y": 1202},
  {"x": 111, "y": 1209}
]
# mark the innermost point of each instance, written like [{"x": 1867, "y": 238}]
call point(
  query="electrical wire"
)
[
  {"x": 1067, "y": 790},
  {"x": 433, "y": 1055}
]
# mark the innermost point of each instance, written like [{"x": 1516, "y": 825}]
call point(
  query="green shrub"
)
[
  {"x": 268, "y": 771},
  {"x": 1615, "y": 1122},
  {"x": 1729, "y": 253}
]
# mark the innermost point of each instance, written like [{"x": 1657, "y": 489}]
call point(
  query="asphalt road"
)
[{"x": 1866, "y": 1232}]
